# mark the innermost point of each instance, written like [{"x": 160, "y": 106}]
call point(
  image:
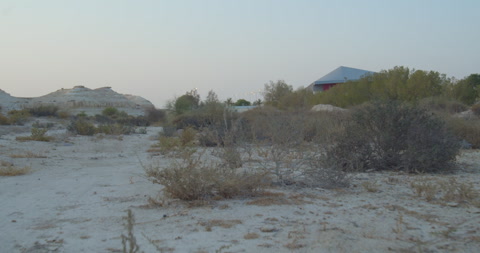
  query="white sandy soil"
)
[{"x": 74, "y": 199}]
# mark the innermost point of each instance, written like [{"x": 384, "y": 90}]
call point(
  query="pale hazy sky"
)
[{"x": 161, "y": 49}]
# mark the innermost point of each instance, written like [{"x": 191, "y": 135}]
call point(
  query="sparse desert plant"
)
[
  {"x": 187, "y": 137},
  {"x": 63, "y": 114},
  {"x": 44, "y": 110},
  {"x": 250, "y": 236},
  {"x": 476, "y": 109},
  {"x": 463, "y": 193},
  {"x": 389, "y": 135},
  {"x": 9, "y": 170},
  {"x": 193, "y": 178},
  {"x": 154, "y": 115},
  {"x": 442, "y": 105},
  {"x": 81, "y": 126},
  {"x": 37, "y": 134},
  {"x": 425, "y": 188},
  {"x": 370, "y": 186},
  {"x": 110, "y": 111},
  {"x": 4, "y": 120},
  {"x": 18, "y": 117},
  {"x": 129, "y": 241},
  {"x": 448, "y": 190},
  {"x": 168, "y": 144},
  {"x": 114, "y": 129},
  {"x": 27, "y": 154},
  {"x": 465, "y": 129}
]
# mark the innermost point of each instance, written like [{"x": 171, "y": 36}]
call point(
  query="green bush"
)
[
  {"x": 389, "y": 135},
  {"x": 44, "y": 110},
  {"x": 37, "y": 134},
  {"x": 110, "y": 111},
  {"x": 81, "y": 126}
]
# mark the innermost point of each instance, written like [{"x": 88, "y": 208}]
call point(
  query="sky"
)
[{"x": 161, "y": 49}]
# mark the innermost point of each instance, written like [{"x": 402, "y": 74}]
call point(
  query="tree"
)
[
  {"x": 187, "y": 102},
  {"x": 467, "y": 89},
  {"x": 242, "y": 102},
  {"x": 257, "y": 102},
  {"x": 229, "y": 102},
  {"x": 212, "y": 98},
  {"x": 274, "y": 91}
]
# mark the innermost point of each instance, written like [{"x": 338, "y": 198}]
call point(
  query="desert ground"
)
[{"x": 79, "y": 188}]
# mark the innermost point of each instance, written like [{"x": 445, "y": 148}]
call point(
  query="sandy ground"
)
[{"x": 74, "y": 199}]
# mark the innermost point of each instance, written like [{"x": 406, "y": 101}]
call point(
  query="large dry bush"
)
[
  {"x": 195, "y": 177},
  {"x": 442, "y": 105},
  {"x": 465, "y": 129},
  {"x": 287, "y": 144},
  {"x": 389, "y": 135},
  {"x": 44, "y": 110}
]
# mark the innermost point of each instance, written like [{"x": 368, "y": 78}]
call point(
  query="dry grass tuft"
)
[
  {"x": 9, "y": 170},
  {"x": 219, "y": 223},
  {"x": 370, "y": 186},
  {"x": 447, "y": 190},
  {"x": 251, "y": 236},
  {"x": 27, "y": 154}
]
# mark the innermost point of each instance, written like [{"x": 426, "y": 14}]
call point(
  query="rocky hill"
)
[{"x": 79, "y": 98}]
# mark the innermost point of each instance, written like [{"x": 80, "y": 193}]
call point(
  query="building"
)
[{"x": 339, "y": 75}]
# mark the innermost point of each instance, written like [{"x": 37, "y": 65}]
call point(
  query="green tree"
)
[
  {"x": 467, "y": 89},
  {"x": 187, "y": 102},
  {"x": 274, "y": 91},
  {"x": 242, "y": 102}
]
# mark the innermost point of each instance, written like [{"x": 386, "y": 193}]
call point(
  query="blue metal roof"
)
[{"x": 342, "y": 74}]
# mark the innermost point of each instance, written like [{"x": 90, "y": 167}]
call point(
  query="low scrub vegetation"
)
[
  {"x": 37, "y": 134},
  {"x": 9, "y": 170},
  {"x": 446, "y": 191},
  {"x": 44, "y": 111},
  {"x": 394, "y": 136},
  {"x": 111, "y": 122},
  {"x": 194, "y": 178}
]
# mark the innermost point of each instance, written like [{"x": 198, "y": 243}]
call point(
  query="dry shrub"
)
[
  {"x": 465, "y": 129},
  {"x": 27, "y": 154},
  {"x": 18, "y": 117},
  {"x": 37, "y": 134},
  {"x": 220, "y": 223},
  {"x": 115, "y": 129},
  {"x": 442, "y": 105},
  {"x": 194, "y": 179},
  {"x": 81, "y": 126},
  {"x": 4, "y": 120},
  {"x": 389, "y": 135},
  {"x": 476, "y": 109},
  {"x": 168, "y": 144},
  {"x": 9, "y": 170},
  {"x": 251, "y": 236},
  {"x": 187, "y": 137},
  {"x": 447, "y": 190},
  {"x": 154, "y": 115},
  {"x": 425, "y": 188},
  {"x": 463, "y": 193},
  {"x": 44, "y": 110}
]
